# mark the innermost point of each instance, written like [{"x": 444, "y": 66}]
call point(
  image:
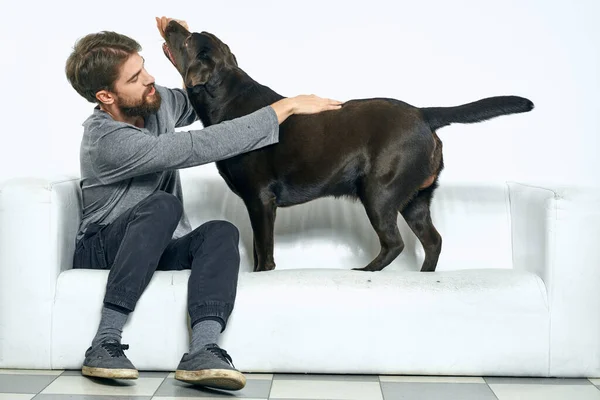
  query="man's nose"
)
[{"x": 149, "y": 79}]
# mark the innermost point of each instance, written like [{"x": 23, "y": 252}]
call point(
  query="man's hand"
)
[
  {"x": 162, "y": 22},
  {"x": 303, "y": 104}
]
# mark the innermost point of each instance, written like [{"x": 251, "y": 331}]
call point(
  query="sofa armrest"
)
[
  {"x": 532, "y": 210},
  {"x": 556, "y": 234},
  {"x": 39, "y": 219}
]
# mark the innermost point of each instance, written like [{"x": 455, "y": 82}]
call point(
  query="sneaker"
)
[
  {"x": 210, "y": 367},
  {"x": 107, "y": 360}
]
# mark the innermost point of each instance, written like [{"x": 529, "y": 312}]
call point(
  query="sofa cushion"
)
[{"x": 468, "y": 322}]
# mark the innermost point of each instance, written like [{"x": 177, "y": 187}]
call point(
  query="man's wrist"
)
[{"x": 283, "y": 108}]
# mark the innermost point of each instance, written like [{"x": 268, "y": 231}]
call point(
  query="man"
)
[{"x": 133, "y": 221}]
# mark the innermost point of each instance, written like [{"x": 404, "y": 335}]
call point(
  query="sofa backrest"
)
[{"x": 474, "y": 222}]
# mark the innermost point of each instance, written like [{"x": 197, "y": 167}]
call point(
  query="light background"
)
[{"x": 427, "y": 53}]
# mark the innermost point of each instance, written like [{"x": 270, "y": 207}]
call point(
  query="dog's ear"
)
[
  {"x": 232, "y": 59},
  {"x": 229, "y": 56},
  {"x": 198, "y": 73}
]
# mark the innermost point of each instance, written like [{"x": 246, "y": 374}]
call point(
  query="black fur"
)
[
  {"x": 481, "y": 110},
  {"x": 383, "y": 152}
]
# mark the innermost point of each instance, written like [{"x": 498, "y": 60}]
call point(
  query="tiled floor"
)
[{"x": 71, "y": 385}]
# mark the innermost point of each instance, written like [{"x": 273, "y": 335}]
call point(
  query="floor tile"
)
[
  {"x": 255, "y": 389},
  {"x": 267, "y": 377},
  {"x": 436, "y": 391},
  {"x": 24, "y": 383},
  {"x": 72, "y": 372},
  {"x": 325, "y": 389},
  {"x": 203, "y": 398},
  {"x": 87, "y": 397},
  {"x": 54, "y": 372},
  {"x": 536, "y": 381},
  {"x": 96, "y": 386},
  {"x": 326, "y": 377},
  {"x": 16, "y": 396},
  {"x": 430, "y": 379},
  {"x": 545, "y": 392},
  {"x": 154, "y": 374},
  {"x": 143, "y": 374}
]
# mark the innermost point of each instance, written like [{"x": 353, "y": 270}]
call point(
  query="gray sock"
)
[
  {"x": 203, "y": 333},
  {"x": 111, "y": 325}
]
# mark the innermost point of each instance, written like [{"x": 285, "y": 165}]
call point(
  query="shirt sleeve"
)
[
  {"x": 126, "y": 151},
  {"x": 181, "y": 107}
]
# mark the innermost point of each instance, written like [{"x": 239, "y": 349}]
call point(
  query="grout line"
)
[
  {"x": 380, "y": 387},
  {"x": 271, "y": 386},
  {"x": 491, "y": 390},
  {"x": 44, "y": 388},
  {"x": 159, "y": 385}
]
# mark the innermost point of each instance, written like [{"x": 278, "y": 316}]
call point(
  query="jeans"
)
[{"x": 140, "y": 242}]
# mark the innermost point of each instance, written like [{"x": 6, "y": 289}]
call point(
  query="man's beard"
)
[{"x": 143, "y": 108}]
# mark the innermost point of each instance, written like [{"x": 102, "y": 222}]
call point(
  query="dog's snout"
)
[{"x": 174, "y": 26}]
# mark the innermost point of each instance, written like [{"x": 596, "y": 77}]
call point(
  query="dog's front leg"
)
[{"x": 262, "y": 219}]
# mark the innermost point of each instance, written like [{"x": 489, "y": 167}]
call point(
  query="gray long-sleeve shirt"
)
[{"x": 122, "y": 164}]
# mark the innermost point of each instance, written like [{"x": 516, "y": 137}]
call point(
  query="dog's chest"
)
[{"x": 233, "y": 180}]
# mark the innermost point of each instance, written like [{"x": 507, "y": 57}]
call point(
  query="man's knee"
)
[
  {"x": 164, "y": 206},
  {"x": 222, "y": 229},
  {"x": 214, "y": 233}
]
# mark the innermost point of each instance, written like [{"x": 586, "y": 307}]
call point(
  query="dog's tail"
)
[{"x": 477, "y": 111}]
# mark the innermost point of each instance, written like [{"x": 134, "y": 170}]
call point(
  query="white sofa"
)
[{"x": 516, "y": 291}]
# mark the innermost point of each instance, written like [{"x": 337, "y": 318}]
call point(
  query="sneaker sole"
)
[
  {"x": 215, "y": 378},
  {"x": 112, "y": 373}
]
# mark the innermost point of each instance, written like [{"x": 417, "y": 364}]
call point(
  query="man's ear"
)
[
  {"x": 105, "y": 97},
  {"x": 198, "y": 73}
]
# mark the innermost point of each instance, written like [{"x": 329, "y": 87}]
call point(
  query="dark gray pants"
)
[{"x": 140, "y": 241}]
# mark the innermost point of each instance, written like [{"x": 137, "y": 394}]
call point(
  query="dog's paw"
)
[
  {"x": 363, "y": 269},
  {"x": 268, "y": 267}
]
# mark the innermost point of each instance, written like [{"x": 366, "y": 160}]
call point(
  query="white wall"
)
[{"x": 427, "y": 53}]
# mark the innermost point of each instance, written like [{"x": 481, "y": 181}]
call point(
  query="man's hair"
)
[{"x": 96, "y": 60}]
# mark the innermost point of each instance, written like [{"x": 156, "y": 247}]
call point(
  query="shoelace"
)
[
  {"x": 115, "y": 349},
  {"x": 221, "y": 354}
]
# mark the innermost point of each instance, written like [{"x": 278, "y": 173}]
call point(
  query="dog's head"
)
[{"x": 197, "y": 56}]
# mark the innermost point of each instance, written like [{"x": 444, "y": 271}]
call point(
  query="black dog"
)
[{"x": 382, "y": 151}]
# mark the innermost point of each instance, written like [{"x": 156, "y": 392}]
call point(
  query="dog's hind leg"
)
[
  {"x": 254, "y": 254},
  {"x": 381, "y": 205},
  {"x": 262, "y": 219},
  {"x": 418, "y": 217}
]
